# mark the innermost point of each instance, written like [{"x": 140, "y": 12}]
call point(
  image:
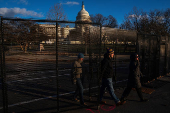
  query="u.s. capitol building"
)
[{"x": 75, "y": 34}]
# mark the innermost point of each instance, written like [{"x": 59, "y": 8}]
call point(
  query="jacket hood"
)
[
  {"x": 106, "y": 55},
  {"x": 133, "y": 56}
]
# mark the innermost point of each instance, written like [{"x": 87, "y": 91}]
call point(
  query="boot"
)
[
  {"x": 102, "y": 102},
  {"x": 144, "y": 100},
  {"x": 83, "y": 105},
  {"x": 123, "y": 101}
]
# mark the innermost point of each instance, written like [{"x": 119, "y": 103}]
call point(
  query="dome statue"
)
[{"x": 83, "y": 15}]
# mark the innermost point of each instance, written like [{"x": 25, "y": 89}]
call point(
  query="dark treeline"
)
[
  {"x": 155, "y": 22},
  {"x": 109, "y": 21},
  {"x": 23, "y": 33}
]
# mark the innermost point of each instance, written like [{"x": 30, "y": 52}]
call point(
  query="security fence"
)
[
  {"x": 36, "y": 62},
  {"x": 154, "y": 53},
  {"x": 37, "y": 59}
]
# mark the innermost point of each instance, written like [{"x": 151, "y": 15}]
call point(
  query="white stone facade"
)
[{"x": 73, "y": 34}]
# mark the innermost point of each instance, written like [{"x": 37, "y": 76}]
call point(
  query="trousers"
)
[{"x": 107, "y": 83}]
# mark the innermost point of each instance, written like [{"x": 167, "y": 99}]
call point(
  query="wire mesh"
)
[
  {"x": 37, "y": 58},
  {"x": 149, "y": 46},
  {"x": 39, "y": 63},
  {"x": 123, "y": 43},
  {"x": 30, "y": 65},
  {"x": 83, "y": 38}
]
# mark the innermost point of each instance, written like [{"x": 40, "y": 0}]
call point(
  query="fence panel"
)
[
  {"x": 83, "y": 38},
  {"x": 30, "y": 66},
  {"x": 149, "y": 51},
  {"x": 123, "y": 43},
  {"x": 38, "y": 63}
]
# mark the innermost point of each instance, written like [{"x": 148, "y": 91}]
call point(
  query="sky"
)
[{"x": 37, "y": 9}]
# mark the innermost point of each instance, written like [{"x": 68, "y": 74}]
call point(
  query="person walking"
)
[
  {"x": 133, "y": 78},
  {"x": 107, "y": 73},
  {"x": 78, "y": 79}
]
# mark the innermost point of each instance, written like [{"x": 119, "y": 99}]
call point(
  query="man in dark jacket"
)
[
  {"x": 133, "y": 78},
  {"x": 107, "y": 74}
]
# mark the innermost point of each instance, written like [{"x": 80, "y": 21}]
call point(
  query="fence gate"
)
[
  {"x": 149, "y": 52},
  {"x": 164, "y": 55}
]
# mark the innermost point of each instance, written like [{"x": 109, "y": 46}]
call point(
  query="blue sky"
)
[{"x": 37, "y": 9}]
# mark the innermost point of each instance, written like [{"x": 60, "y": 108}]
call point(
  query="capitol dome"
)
[{"x": 83, "y": 15}]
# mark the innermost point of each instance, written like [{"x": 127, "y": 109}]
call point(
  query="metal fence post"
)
[
  {"x": 3, "y": 73},
  {"x": 99, "y": 70},
  {"x": 57, "y": 67},
  {"x": 137, "y": 44},
  {"x": 166, "y": 55},
  {"x": 115, "y": 60},
  {"x": 90, "y": 68}
]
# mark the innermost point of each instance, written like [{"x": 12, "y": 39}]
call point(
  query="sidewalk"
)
[{"x": 158, "y": 93}]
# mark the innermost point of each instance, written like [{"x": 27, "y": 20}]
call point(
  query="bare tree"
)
[
  {"x": 23, "y": 33},
  {"x": 167, "y": 20},
  {"x": 143, "y": 25},
  {"x": 98, "y": 18},
  {"x": 111, "y": 22},
  {"x": 126, "y": 25},
  {"x": 132, "y": 19},
  {"x": 56, "y": 12},
  {"x": 153, "y": 22}
]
